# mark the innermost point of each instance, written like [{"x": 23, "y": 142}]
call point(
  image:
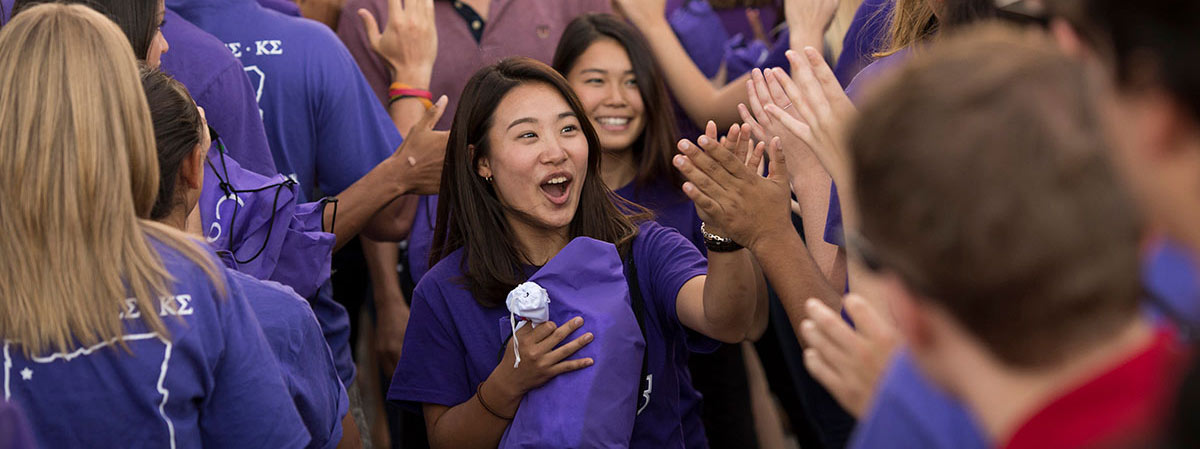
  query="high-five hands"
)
[{"x": 732, "y": 198}]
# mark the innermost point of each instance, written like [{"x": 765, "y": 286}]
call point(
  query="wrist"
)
[
  {"x": 394, "y": 171},
  {"x": 501, "y": 391},
  {"x": 779, "y": 239},
  {"x": 418, "y": 79}
]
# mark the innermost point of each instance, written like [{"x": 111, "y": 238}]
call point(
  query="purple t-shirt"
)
[
  {"x": 451, "y": 343},
  {"x": 910, "y": 413},
  {"x": 5, "y": 10},
  {"x": 14, "y": 429},
  {"x": 220, "y": 86},
  {"x": 671, "y": 208},
  {"x": 866, "y": 35},
  {"x": 288, "y": 7},
  {"x": 325, "y": 129},
  {"x": 304, "y": 358},
  {"x": 212, "y": 382}
]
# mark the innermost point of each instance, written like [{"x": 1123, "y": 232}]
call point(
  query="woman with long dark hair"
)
[
  {"x": 521, "y": 181},
  {"x": 610, "y": 67}
]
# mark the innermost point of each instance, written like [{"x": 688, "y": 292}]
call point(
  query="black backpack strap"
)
[{"x": 638, "y": 303}]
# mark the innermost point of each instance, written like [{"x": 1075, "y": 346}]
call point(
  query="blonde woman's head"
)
[{"x": 77, "y": 168}]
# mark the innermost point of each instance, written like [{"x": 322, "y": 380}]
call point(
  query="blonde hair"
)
[
  {"x": 910, "y": 22},
  {"x": 78, "y": 167}
]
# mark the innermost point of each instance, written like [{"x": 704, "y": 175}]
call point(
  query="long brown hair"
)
[
  {"x": 138, "y": 19},
  {"x": 77, "y": 170},
  {"x": 655, "y": 147},
  {"x": 178, "y": 129},
  {"x": 469, "y": 214}
]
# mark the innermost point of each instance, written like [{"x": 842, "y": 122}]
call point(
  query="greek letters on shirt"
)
[
  {"x": 178, "y": 305},
  {"x": 265, "y": 47}
]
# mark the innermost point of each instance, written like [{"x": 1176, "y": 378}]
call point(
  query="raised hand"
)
[
  {"x": 848, "y": 362},
  {"x": 808, "y": 19},
  {"x": 423, "y": 152},
  {"x": 642, "y": 13},
  {"x": 730, "y": 195},
  {"x": 823, "y": 111},
  {"x": 408, "y": 43}
]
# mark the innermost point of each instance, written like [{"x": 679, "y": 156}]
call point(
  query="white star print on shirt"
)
[{"x": 26, "y": 374}]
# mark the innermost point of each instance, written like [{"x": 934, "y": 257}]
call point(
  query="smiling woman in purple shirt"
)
[
  {"x": 521, "y": 181},
  {"x": 610, "y": 66}
]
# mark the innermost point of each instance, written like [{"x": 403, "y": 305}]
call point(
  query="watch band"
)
[{"x": 718, "y": 244}]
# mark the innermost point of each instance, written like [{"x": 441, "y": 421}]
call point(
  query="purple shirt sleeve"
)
[
  {"x": 304, "y": 359},
  {"x": 249, "y": 405},
  {"x": 220, "y": 86},
  {"x": 355, "y": 134},
  {"x": 665, "y": 262},
  {"x": 433, "y": 368}
]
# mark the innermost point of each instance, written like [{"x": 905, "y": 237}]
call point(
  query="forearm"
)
[
  {"x": 406, "y": 112},
  {"x": 359, "y": 202},
  {"x": 469, "y": 424},
  {"x": 791, "y": 270},
  {"x": 733, "y": 300},
  {"x": 812, "y": 193},
  {"x": 695, "y": 93},
  {"x": 394, "y": 222},
  {"x": 382, "y": 258}
]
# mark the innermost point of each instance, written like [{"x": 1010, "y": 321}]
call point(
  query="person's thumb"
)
[{"x": 370, "y": 25}]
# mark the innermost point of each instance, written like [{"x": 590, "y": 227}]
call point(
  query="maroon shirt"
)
[
  {"x": 513, "y": 28},
  {"x": 1122, "y": 407}
]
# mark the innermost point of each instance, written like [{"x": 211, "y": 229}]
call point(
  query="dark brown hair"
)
[
  {"x": 1148, "y": 43},
  {"x": 177, "y": 130},
  {"x": 656, "y": 146},
  {"x": 983, "y": 182},
  {"x": 138, "y": 19},
  {"x": 469, "y": 214}
]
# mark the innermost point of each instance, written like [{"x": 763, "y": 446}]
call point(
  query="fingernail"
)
[
  {"x": 807, "y": 326},
  {"x": 588, "y": 337},
  {"x": 577, "y": 321},
  {"x": 589, "y": 362},
  {"x": 703, "y": 140},
  {"x": 688, "y": 187},
  {"x": 412, "y": 161},
  {"x": 678, "y": 160},
  {"x": 811, "y": 303}
]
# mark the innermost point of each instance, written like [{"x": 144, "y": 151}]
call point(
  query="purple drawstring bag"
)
[
  {"x": 306, "y": 254},
  {"x": 593, "y": 407},
  {"x": 255, "y": 224}
]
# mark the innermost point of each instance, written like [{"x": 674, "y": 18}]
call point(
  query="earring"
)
[{"x": 488, "y": 179}]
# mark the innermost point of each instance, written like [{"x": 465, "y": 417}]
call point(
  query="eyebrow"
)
[
  {"x": 603, "y": 72},
  {"x": 533, "y": 120}
]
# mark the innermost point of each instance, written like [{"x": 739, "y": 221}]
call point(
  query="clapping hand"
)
[{"x": 733, "y": 199}]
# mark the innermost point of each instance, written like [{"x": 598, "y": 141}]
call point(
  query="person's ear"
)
[
  {"x": 483, "y": 166},
  {"x": 191, "y": 170},
  {"x": 1068, "y": 39},
  {"x": 911, "y": 314}
]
